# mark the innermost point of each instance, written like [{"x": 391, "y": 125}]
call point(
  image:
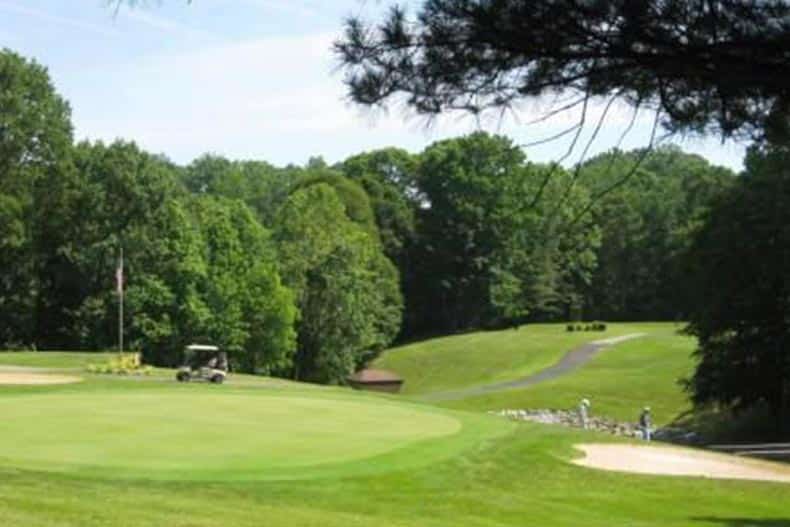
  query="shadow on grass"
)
[{"x": 744, "y": 522}]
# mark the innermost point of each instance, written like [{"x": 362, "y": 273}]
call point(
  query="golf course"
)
[
  {"x": 430, "y": 263},
  {"x": 125, "y": 450}
]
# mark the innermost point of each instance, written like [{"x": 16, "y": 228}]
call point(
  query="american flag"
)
[{"x": 119, "y": 277}]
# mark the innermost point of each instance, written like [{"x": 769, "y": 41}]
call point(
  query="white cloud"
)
[
  {"x": 19, "y": 9},
  {"x": 278, "y": 99}
]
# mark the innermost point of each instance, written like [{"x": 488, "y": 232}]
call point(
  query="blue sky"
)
[{"x": 250, "y": 79}]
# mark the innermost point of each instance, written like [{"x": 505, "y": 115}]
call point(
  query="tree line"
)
[{"x": 311, "y": 271}]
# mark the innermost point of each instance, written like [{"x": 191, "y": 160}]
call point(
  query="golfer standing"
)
[
  {"x": 646, "y": 423},
  {"x": 584, "y": 413}
]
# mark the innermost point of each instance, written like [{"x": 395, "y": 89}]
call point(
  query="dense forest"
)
[{"x": 310, "y": 271}]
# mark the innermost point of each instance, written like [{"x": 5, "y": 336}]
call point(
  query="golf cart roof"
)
[{"x": 201, "y": 347}]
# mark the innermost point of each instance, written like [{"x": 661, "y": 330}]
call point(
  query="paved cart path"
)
[{"x": 572, "y": 361}]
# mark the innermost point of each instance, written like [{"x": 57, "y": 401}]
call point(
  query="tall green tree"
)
[
  {"x": 347, "y": 290},
  {"x": 485, "y": 256},
  {"x": 125, "y": 197},
  {"x": 35, "y": 187},
  {"x": 646, "y": 213},
  {"x": 389, "y": 177},
  {"x": 250, "y": 313},
  {"x": 740, "y": 263}
]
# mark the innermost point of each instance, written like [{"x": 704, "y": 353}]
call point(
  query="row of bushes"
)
[{"x": 594, "y": 326}]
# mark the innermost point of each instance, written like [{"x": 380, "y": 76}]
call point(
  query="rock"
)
[{"x": 571, "y": 418}]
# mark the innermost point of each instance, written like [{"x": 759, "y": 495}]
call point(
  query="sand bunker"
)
[
  {"x": 26, "y": 378},
  {"x": 675, "y": 461}
]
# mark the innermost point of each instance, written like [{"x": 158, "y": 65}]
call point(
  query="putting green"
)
[{"x": 210, "y": 434}]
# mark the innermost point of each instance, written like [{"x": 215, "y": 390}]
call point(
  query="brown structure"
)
[{"x": 376, "y": 381}]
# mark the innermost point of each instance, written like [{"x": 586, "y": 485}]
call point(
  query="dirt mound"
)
[
  {"x": 27, "y": 378},
  {"x": 674, "y": 461}
]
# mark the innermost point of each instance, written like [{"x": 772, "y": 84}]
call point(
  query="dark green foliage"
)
[
  {"x": 36, "y": 184},
  {"x": 249, "y": 313},
  {"x": 716, "y": 66},
  {"x": 645, "y": 224},
  {"x": 740, "y": 275},
  {"x": 467, "y": 234},
  {"x": 197, "y": 268},
  {"x": 346, "y": 289},
  {"x": 390, "y": 179},
  {"x": 570, "y": 328},
  {"x": 485, "y": 257}
]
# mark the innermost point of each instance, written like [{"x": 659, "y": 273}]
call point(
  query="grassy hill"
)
[
  {"x": 619, "y": 381},
  {"x": 150, "y": 452},
  {"x": 484, "y": 357}
]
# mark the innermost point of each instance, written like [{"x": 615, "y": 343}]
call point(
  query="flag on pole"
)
[
  {"x": 119, "y": 289},
  {"x": 119, "y": 276}
]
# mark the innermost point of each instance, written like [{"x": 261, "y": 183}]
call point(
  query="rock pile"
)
[{"x": 599, "y": 424}]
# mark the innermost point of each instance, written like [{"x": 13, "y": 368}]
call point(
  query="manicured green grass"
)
[
  {"x": 619, "y": 381},
  {"x": 199, "y": 432},
  {"x": 113, "y": 451},
  {"x": 485, "y": 357},
  {"x": 51, "y": 359},
  {"x": 519, "y": 479}
]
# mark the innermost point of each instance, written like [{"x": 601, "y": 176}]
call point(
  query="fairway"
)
[
  {"x": 146, "y": 452},
  {"x": 197, "y": 433}
]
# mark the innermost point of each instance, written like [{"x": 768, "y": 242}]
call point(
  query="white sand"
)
[
  {"x": 27, "y": 378},
  {"x": 675, "y": 461}
]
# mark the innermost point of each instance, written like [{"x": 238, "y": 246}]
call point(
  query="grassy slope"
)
[
  {"x": 619, "y": 381},
  {"x": 485, "y": 357}
]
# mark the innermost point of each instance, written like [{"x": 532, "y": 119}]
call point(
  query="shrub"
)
[
  {"x": 570, "y": 327},
  {"x": 125, "y": 364}
]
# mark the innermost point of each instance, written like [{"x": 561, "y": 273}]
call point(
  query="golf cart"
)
[{"x": 203, "y": 363}]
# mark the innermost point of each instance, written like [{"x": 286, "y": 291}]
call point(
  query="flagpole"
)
[{"x": 120, "y": 305}]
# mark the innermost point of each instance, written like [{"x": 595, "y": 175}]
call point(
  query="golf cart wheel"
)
[
  {"x": 182, "y": 376},
  {"x": 217, "y": 379}
]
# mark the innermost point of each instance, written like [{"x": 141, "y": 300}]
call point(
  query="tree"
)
[
  {"x": 705, "y": 66},
  {"x": 485, "y": 257},
  {"x": 740, "y": 268},
  {"x": 258, "y": 184},
  {"x": 389, "y": 178},
  {"x": 198, "y": 267},
  {"x": 124, "y": 200},
  {"x": 646, "y": 223},
  {"x": 35, "y": 185},
  {"x": 250, "y": 313},
  {"x": 356, "y": 201},
  {"x": 347, "y": 291}
]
